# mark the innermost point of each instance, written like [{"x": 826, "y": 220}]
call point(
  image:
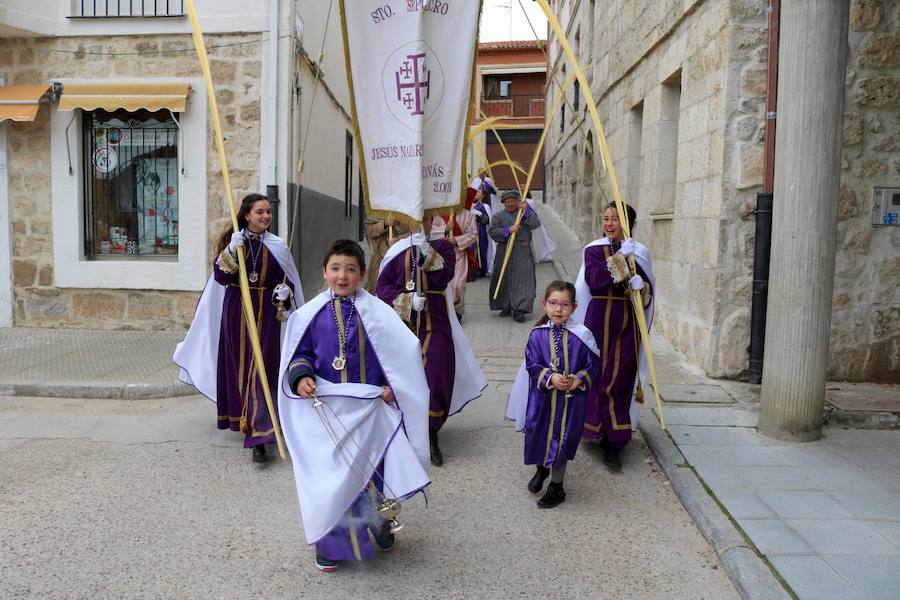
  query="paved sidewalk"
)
[
  {"x": 824, "y": 516},
  {"x": 77, "y": 363}
]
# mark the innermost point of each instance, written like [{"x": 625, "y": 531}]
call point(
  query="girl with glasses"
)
[{"x": 547, "y": 401}]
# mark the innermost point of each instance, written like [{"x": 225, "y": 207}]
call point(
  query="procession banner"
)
[{"x": 410, "y": 66}]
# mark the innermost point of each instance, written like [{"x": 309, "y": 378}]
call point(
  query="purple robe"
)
[
  {"x": 483, "y": 239},
  {"x": 610, "y": 317},
  {"x": 554, "y": 420},
  {"x": 432, "y": 325},
  {"x": 318, "y": 347},
  {"x": 239, "y": 391}
]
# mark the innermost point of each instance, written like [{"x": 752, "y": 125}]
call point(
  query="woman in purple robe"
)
[
  {"x": 220, "y": 328},
  {"x": 606, "y": 280},
  {"x": 414, "y": 282},
  {"x": 560, "y": 360}
]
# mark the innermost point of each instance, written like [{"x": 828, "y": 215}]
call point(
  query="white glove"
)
[
  {"x": 421, "y": 242},
  {"x": 475, "y": 213},
  {"x": 237, "y": 239},
  {"x": 636, "y": 283},
  {"x": 628, "y": 248},
  {"x": 418, "y": 302},
  {"x": 282, "y": 292}
]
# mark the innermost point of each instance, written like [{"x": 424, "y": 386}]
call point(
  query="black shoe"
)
[
  {"x": 384, "y": 539},
  {"x": 459, "y": 318},
  {"x": 537, "y": 482},
  {"x": 505, "y": 312},
  {"x": 259, "y": 454},
  {"x": 612, "y": 458},
  {"x": 437, "y": 459},
  {"x": 325, "y": 564},
  {"x": 554, "y": 496},
  {"x": 519, "y": 317}
]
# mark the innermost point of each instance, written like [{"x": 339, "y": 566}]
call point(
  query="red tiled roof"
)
[{"x": 511, "y": 45}]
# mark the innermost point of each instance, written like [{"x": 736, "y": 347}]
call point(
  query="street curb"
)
[
  {"x": 862, "y": 419},
  {"x": 127, "y": 391},
  {"x": 751, "y": 576}
]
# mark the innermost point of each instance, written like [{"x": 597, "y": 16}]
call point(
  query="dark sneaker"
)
[
  {"x": 259, "y": 454},
  {"x": 537, "y": 482},
  {"x": 554, "y": 496},
  {"x": 384, "y": 539},
  {"x": 612, "y": 458},
  {"x": 325, "y": 564},
  {"x": 505, "y": 312}
]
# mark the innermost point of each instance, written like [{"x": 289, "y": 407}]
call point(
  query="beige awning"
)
[
  {"x": 21, "y": 102},
  {"x": 128, "y": 96}
]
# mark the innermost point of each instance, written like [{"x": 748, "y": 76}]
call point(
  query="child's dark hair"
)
[
  {"x": 630, "y": 212},
  {"x": 556, "y": 286},
  {"x": 346, "y": 248}
]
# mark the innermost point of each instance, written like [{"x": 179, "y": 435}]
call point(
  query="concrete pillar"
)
[{"x": 812, "y": 68}]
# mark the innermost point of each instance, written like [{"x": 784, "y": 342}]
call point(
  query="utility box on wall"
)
[{"x": 886, "y": 206}]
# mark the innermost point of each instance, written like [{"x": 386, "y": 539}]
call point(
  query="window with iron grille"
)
[{"x": 131, "y": 184}]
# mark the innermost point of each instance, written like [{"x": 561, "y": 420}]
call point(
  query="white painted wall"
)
[
  {"x": 327, "y": 124},
  {"x": 70, "y": 267}
]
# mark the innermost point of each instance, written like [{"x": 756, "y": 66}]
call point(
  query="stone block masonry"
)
[
  {"x": 702, "y": 241},
  {"x": 236, "y": 65}
]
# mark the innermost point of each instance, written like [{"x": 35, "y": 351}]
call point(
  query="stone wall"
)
[
  {"x": 865, "y": 324},
  {"x": 236, "y": 66},
  {"x": 686, "y": 43},
  {"x": 702, "y": 243}
]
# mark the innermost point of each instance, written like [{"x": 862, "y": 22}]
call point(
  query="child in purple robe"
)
[
  {"x": 548, "y": 397},
  {"x": 216, "y": 355},
  {"x": 347, "y": 336},
  {"x": 415, "y": 282},
  {"x": 605, "y": 307}
]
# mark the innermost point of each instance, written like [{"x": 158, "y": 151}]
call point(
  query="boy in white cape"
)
[{"x": 367, "y": 442}]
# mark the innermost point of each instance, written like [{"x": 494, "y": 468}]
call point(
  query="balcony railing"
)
[
  {"x": 515, "y": 105},
  {"x": 102, "y": 9}
]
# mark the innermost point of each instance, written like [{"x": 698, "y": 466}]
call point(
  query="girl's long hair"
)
[
  {"x": 246, "y": 206},
  {"x": 555, "y": 286}
]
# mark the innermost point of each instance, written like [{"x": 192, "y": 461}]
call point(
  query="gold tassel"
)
[
  {"x": 245, "y": 429},
  {"x": 639, "y": 395}
]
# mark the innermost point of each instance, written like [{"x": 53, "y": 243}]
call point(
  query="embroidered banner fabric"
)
[{"x": 410, "y": 66}]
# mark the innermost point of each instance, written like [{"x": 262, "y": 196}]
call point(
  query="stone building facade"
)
[
  {"x": 681, "y": 89},
  {"x": 53, "y": 280}
]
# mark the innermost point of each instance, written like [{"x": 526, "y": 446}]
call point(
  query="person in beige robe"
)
[
  {"x": 378, "y": 232},
  {"x": 463, "y": 235}
]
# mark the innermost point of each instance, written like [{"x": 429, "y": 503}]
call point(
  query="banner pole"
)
[{"x": 246, "y": 302}]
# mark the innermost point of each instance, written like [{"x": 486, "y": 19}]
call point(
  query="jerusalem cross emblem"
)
[{"x": 413, "y": 80}]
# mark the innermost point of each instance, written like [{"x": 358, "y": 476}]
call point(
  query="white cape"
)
[
  {"x": 517, "y": 405},
  {"x": 469, "y": 380},
  {"x": 543, "y": 245},
  {"x": 583, "y": 298},
  {"x": 198, "y": 354},
  {"x": 398, "y": 434},
  {"x": 488, "y": 204}
]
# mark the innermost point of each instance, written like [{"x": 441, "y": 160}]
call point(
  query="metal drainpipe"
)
[
  {"x": 271, "y": 96},
  {"x": 764, "y": 199}
]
